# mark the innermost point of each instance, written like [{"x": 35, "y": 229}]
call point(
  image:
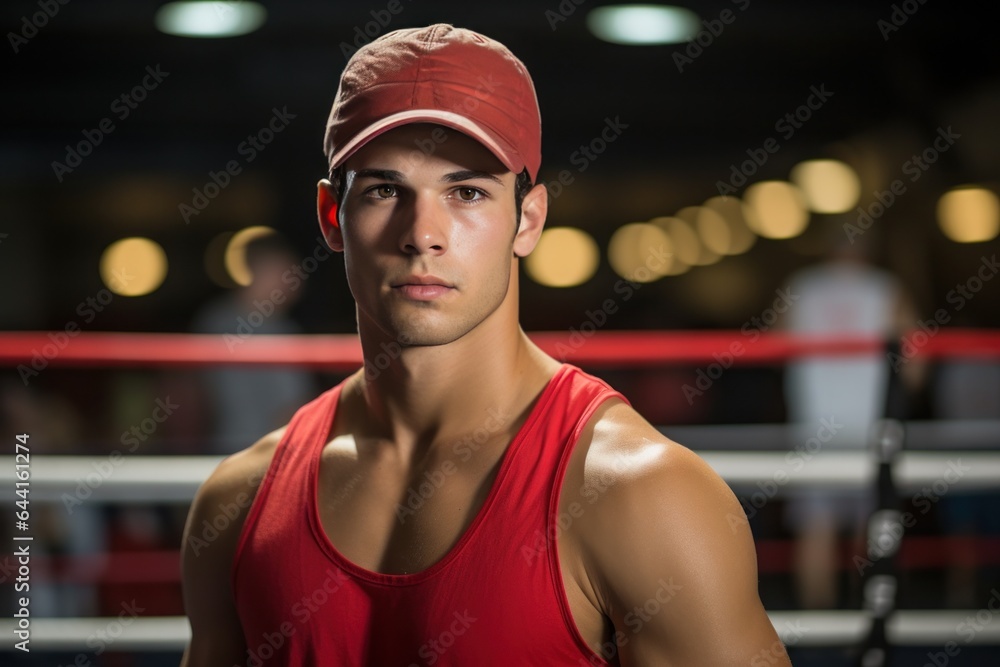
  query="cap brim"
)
[{"x": 507, "y": 155}]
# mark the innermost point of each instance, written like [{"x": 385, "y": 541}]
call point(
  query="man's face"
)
[{"x": 427, "y": 238}]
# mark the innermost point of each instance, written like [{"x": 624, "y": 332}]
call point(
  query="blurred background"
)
[{"x": 826, "y": 168}]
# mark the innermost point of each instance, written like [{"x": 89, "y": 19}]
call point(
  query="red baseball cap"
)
[{"x": 444, "y": 75}]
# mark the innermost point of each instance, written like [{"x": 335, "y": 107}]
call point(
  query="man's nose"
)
[{"x": 426, "y": 231}]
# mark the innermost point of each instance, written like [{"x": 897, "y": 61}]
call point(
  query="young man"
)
[{"x": 463, "y": 499}]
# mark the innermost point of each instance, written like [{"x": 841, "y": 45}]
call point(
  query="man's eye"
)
[
  {"x": 385, "y": 191},
  {"x": 468, "y": 194}
]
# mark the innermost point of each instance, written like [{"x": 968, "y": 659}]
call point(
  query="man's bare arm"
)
[
  {"x": 674, "y": 555},
  {"x": 207, "y": 556}
]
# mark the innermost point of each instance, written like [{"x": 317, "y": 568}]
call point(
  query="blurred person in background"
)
[
  {"x": 837, "y": 398},
  {"x": 249, "y": 402}
]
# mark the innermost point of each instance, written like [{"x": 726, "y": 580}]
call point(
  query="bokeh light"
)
[
  {"x": 689, "y": 216},
  {"x": 969, "y": 214},
  {"x": 829, "y": 186},
  {"x": 732, "y": 210},
  {"x": 134, "y": 266},
  {"x": 640, "y": 252},
  {"x": 713, "y": 231},
  {"x": 776, "y": 209},
  {"x": 563, "y": 257},
  {"x": 235, "y": 257}
]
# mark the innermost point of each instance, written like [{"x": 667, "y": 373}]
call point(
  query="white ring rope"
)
[
  {"x": 174, "y": 479},
  {"x": 796, "y": 628}
]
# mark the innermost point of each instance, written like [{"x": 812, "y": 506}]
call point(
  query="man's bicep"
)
[
  {"x": 206, "y": 561},
  {"x": 207, "y": 554},
  {"x": 680, "y": 570}
]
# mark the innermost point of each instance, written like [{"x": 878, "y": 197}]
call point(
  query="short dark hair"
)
[{"x": 522, "y": 186}]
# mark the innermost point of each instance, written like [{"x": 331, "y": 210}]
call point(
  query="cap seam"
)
[{"x": 431, "y": 35}]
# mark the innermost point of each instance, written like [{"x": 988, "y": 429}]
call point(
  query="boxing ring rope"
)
[
  {"x": 342, "y": 352},
  {"x": 822, "y": 628},
  {"x": 174, "y": 479}
]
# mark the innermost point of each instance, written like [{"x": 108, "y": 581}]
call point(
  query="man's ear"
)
[
  {"x": 534, "y": 208},
  {"x": 326, "y": 210}
]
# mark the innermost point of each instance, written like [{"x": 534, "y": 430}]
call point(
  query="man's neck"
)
[{"x": 428, "y": 397}]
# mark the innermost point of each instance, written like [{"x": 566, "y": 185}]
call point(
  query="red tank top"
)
[{"x": 496, "y": 598}]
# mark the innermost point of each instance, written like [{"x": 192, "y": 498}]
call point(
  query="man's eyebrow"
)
[
  {"x": 468, "y": 175},
  {"x": 390, "y": 175}
]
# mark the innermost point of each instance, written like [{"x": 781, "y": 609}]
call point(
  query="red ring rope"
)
[{"x": 585, "y": 347}]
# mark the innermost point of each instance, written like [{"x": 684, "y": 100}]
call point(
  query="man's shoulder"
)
[
  {"x": 658, "y": 530},
  {"x": 243, "y": 471},
  {"x": 220, "y": 508},
  {"x": 652, "y": 511},
  {"x": 638, "y": 479},
  {"x": 623, "y": 444}
]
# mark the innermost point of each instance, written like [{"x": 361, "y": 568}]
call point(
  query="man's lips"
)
[
  {"x": 422, "y": 288},
  {"x": 421, "y": 280}
]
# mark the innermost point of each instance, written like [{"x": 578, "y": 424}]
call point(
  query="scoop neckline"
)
[{"x": 389, "y": 578}]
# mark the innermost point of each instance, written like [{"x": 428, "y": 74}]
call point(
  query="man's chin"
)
[{"x": 426, "y": 337}]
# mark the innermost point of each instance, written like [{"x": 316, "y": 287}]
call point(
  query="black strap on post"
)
[{"x": 885, "y": 529}]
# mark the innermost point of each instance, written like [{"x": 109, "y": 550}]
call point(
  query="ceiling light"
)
[
  {"x": 210, "y": 19},
  {"x": 643, "y": 24}
]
